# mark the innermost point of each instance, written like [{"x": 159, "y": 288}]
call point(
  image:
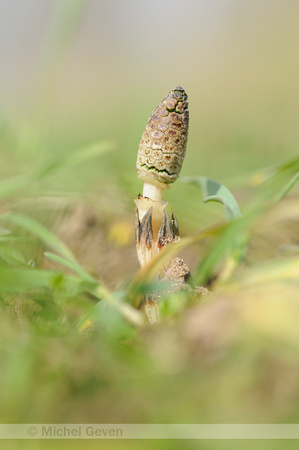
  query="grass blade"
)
[
  {"x": 16, "y": 280},
  {"x": 70, "y": 265},
  {"x": 9, "y": 187},
  {"x": 43, "y": 233}
]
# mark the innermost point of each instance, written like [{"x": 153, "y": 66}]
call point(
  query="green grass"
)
[{"x": 74, "y": 349}]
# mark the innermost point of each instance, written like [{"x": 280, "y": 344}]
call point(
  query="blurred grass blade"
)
[
  {"x": 4, "y": 232},
  {"x": 62, "y": 27},
  {"x": 229, "y": 247},
  {"x": 68, "y": 259},
  {"x": 101, "y": 292},
  {"x": 56, "y": 43},
  {"x": 14, "y": 239},
  {"x": 59, "y": 35},
  {"x": 216, "y": 192},
  {"x": 11, "y": 186},
  {"x": 16, "y": 280},
  {"x": 125, "y": 309},
  {"x": 225, "y": 252},
  {"x": 11, "y": 255},
  {"x": 73, "y": 158},
  {"x": 43, "y": 233},
  {"x": 278, "y": 185},
  {"x": 265, "y": 272},
  {"x": 89, "y": 151},
  {"x": 23, "y": 279},
  {"x": 70, "y": 265},
  {"x": 286, "y": 189}
]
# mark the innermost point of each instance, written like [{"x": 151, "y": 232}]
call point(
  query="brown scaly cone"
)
[
  {"x": 160, "y": 157},
  {"x": 163, "y": 143}
]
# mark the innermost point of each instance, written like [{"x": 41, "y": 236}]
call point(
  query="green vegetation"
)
[
  {"x": 74, "y": 343},
  {"x": 74, "y": 349}
]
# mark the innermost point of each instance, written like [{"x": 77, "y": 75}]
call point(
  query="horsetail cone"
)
[{"x": 163, "y": 143}]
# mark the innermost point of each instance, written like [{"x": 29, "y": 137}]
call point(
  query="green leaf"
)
[{"x": 216, "y": 192}]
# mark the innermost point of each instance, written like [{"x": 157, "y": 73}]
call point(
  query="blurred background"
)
[{"x": 79, "y": 72}]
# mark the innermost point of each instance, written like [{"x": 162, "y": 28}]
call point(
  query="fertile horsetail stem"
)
[{"x": 160, "y": 157}]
